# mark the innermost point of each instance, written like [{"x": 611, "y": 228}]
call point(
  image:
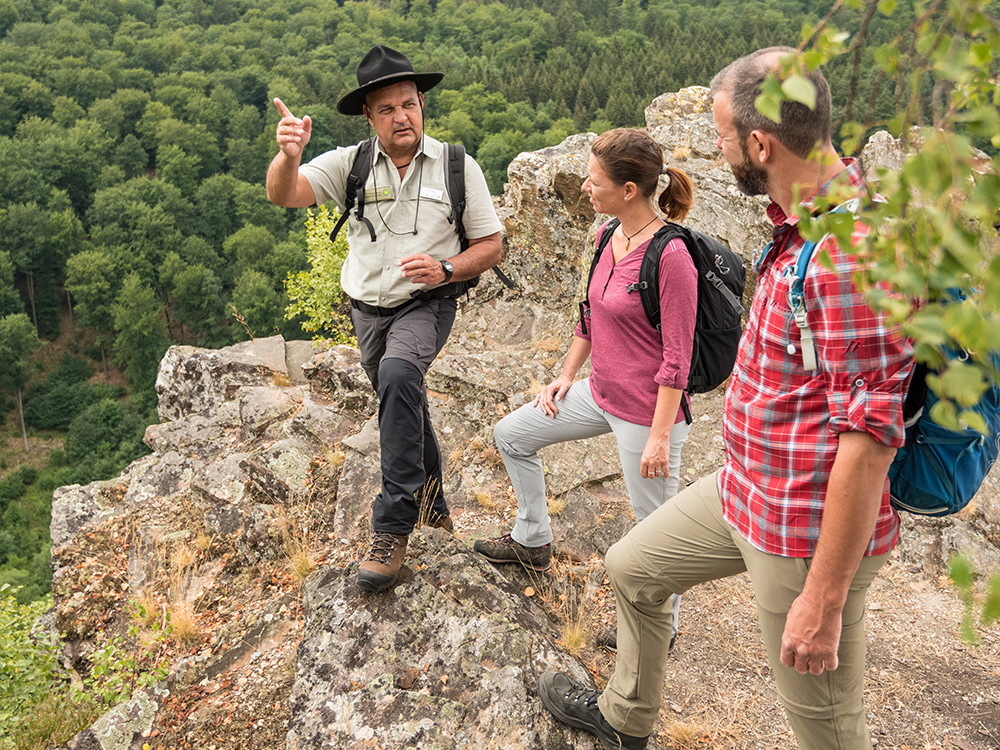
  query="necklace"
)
[{"x": 628, "y": 237}]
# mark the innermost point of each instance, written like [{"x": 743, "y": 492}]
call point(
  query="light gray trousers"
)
[{"x": 520, "y": 435}]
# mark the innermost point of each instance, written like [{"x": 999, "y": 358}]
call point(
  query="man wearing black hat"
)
[{"x": 402, "y": 277}]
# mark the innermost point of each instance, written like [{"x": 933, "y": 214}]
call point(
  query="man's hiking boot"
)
[
  {"x": 608, "y": 640},
  {"x": 505, "y": 550},
  {"x": 441, "y": 522},
  {"x": 576, "y": 705},
  {"x": 380, "y": 565}
]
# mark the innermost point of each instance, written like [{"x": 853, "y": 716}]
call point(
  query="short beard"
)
[{"x": 750, "y": 179}]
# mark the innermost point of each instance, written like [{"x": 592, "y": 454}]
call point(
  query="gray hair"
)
[{"x": 801, "y": 129}]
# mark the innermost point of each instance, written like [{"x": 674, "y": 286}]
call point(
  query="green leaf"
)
[
  {"x": 926, "y": 328},
  {"x": 975, "y": 422},
  {"x": 769, "y": 100},
  {"x": 980, "y": 54},
  {"x": 943, "y": 412},
  {"x": 960, "y": 571},
  {"x": 886, "y": 7},
  {"x": 800, "y": 89},
  {"x": 963, "y": 383},
  {"x": 991, "y": 608}
]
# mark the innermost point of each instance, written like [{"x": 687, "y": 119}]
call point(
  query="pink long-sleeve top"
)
[{"x": 629, "y": 358}]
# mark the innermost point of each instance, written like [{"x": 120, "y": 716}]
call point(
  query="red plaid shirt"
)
[{"x": 782, "y": 422}]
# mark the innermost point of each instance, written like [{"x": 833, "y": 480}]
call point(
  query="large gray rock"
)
[
  {"x": 194, "y": 381},
  {"x": 453, "y": 663}
]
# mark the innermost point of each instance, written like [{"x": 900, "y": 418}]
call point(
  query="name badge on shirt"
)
[
  {"x": 430, "y": 193},
  {"x": 381, "y": 193}
]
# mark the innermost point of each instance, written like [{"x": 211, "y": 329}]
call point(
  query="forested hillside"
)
[{"x": 134, "y": 138}]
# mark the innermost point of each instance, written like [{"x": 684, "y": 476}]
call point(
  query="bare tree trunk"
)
[
  {"x": 31, "y": 296},
  {"x": 20, "y": 408},
  {"x": 69, "y": 306}
]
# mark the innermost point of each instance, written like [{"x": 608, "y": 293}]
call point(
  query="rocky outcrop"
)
[
  {"x": 450, "y": 661},
  {"x": 264, "y": 466}
]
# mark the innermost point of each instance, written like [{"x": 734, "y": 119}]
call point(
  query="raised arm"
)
[{"x": 285, "y": 186}]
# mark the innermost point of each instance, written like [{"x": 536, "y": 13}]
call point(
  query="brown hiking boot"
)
[
  {"x": 505, "y": 550},
  {"x": 380, "y": 566}
]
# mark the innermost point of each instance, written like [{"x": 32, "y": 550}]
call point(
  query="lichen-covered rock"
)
[
  {"x": 447, "y": 659},
  {"x": 125, "y": 727},
  {"x": 197, "y": 381}
]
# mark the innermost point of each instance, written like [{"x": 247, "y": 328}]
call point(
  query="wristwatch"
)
[{"x": 449, "y": 270}]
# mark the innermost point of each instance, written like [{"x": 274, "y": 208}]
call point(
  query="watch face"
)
[{"x": 449, "y": 269}]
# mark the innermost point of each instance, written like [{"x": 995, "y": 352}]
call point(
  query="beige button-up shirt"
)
[{"x": 395, "y": 209}]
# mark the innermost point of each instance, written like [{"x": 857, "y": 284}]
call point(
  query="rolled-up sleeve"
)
[{"x": 866, "y": 364}]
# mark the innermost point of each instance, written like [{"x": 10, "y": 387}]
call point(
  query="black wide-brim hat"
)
[{"x": 383, "y": 66}]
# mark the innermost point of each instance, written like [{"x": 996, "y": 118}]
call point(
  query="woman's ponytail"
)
[{"x": 678, "y": 196}]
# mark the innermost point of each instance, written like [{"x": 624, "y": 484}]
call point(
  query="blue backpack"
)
[{"x": 938, "y": 470}]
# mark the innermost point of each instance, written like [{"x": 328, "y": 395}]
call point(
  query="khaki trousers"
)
[{"x": 688, "y": 541}]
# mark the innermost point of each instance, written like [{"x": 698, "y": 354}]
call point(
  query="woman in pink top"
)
[{"x": 638, "y": 374}]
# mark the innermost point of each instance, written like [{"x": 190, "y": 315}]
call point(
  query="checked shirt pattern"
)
[{"x": 782, "y": 422}]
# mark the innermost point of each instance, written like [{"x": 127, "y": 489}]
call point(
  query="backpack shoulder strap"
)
[
  {"x": 355, "y": 189},
  {"x": 602, "y": 241},
  {"x": 796, "y": 296},
  {"x": 796, "y": 299},
  {"x": 454, "y": 182},
  {"x": 648, "y": 285}
]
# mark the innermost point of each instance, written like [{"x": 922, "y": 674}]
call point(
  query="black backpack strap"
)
[
  {"x": 355, "y": 191},
  {"x": 454, "y": 181},
  {"x": 648, "y": 285},
  {"x": 602, "y": 242}
]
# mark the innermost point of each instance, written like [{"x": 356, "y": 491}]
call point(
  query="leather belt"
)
[{"x": 382, "y": 312}]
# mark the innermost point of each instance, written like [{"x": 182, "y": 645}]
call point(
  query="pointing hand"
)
[{"x": 293, "y": 133}]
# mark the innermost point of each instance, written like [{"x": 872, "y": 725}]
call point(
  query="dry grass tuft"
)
[
  {"x": 335, "y": 457},
  {"x": 182, "y": 559},
  {"x": 301, "y": 560},
  {"x": 145, "y": 606},
  {"x": 556, "y": 505},
  {"x": 296, "y": 540},
  {"x": 687, "y": 734},
  {"x": 574, "y": 636},
  {"x": 484, "y": 500},
  {"x": 429, "y": 490},
  {"x": 183, "y": 626},
  {"x": 203, "y": 541}
]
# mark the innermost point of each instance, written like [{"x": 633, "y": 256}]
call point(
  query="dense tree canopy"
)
[{"x": 134, "y": 135}]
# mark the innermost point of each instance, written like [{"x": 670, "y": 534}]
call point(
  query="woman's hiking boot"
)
[{"x": 505, "y": 550}]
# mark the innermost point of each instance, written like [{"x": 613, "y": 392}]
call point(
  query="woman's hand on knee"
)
[{"x": 554, "y": 391}]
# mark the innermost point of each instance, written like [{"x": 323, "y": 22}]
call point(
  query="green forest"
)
[{"x": 134, "y": 139}]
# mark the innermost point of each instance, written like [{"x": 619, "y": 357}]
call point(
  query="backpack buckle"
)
[{"x": 636, "y": 287}]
